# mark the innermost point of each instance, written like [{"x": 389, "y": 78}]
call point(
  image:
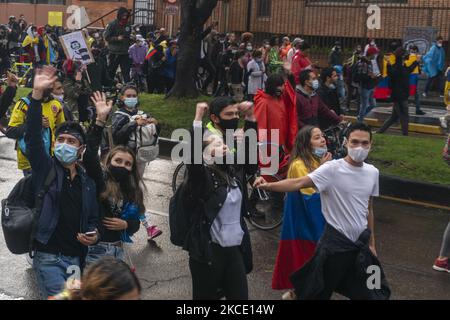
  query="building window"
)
[{"x": 264, "y": 8}]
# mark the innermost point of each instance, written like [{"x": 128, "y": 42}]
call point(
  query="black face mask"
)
[
  {"x": 229, "y": 124},
  {"x": 278, "y": 93},
  {"x": 120, "y": 174}
]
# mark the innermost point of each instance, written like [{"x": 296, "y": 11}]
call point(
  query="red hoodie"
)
[
  {"x": 281, "y": 114},
  {"x": 299, "y": 63}
]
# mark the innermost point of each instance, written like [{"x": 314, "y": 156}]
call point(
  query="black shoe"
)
[{"x": 420, "y": 113}]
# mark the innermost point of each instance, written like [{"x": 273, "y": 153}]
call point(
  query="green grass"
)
[
  {"x": 170, "y": 113},
  {"x": 414, "y": 158}
]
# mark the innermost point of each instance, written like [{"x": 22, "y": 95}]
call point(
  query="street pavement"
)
[{"x": 408, "y": 240}]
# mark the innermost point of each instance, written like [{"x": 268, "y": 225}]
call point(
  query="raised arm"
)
[{"x": 288, "y": 185}]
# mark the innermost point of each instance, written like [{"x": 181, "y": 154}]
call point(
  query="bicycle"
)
[
  {"x": 335, "y": 137},
  {"x": 265, "y": 210},
  {"x": 24, "y": 71}
]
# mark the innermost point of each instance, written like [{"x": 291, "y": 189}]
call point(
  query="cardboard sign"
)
[
  {"x": 55, "y": 18},
  {"x": 76, "y": 47}
]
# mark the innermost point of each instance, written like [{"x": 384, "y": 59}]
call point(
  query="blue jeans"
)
[
  {"x": 104, "y": 249},
  {"x": 52, "y": 271},
  {"x": 367, "y": 103}
]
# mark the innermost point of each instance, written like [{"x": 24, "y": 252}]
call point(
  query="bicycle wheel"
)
[
  {"x": 266, "y": 214},
  {"x": 178, "y": 176}
]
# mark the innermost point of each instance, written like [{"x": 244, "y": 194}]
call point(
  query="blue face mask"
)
[
  {"x": 320, "y": 152},
  {"x": 66, "y": 154},
  {"x": 131, "y": 102}
]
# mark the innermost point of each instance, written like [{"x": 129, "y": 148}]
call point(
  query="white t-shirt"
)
[{"x": 345, "y": 191}]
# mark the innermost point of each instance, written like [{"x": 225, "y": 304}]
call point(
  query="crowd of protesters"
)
[{"x": 89, "y": 154}]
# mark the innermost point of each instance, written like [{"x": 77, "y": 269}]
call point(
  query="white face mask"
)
[
  {"x": 439, "y": 45},
  {"x": 358, "y": 154},
  {"x": 60, "y": 98}
]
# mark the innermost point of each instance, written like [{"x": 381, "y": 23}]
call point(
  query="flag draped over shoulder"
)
[
  {"x": 383, "y": 90},
  {"x": 289, "y": 99},
  {"x": 303, "y": 225}
]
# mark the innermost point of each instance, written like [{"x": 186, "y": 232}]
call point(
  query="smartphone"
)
[{"x": 90, "y": 233}]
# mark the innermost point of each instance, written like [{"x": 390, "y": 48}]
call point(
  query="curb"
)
[
  {"x": 413, "y": 127},
  {"x": 395, "y": 188}
]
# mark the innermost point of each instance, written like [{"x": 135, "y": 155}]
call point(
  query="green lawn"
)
[{"x": 415, "y": 158}]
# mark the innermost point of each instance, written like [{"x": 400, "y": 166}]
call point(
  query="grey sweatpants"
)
[{"x": 445, "y": 249}]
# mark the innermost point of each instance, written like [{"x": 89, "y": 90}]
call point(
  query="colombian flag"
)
[
  {"x": 382, "y": 91},
  {"x": 151, "y": 52},
  {"x": 303, "y": 225}
]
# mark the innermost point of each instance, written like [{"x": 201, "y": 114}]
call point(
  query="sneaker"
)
[
  {"x": 424, "y": 95},
  {"x": 153, "y": 232},
  {"x": 289, "y": 295},
  {"x": 441, "y": 265},
  {"x": 420, "y": 112},
  {"x": 443, "y": 122}
]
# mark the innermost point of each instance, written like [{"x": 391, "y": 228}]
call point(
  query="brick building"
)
[{"x": 344, "y": 19}]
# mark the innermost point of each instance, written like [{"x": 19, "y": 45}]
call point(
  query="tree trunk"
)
[{"x": 194, "y": 14}]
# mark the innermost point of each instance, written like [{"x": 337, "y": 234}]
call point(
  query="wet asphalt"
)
[{"x": 408, "y": 240}]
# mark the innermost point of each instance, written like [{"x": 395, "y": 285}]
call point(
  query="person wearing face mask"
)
[
  {"x": 119, "y": 186},
  {"x": 328, "y": 90},
  {"x": 138, "y": 52},
  {"x": 347, "y": 246},
  {"x": 69, "y": 216},
  {"x": 220, "y": 255},
  {"x": 434, "y": 65},
  {"x": 127, "y": 123},
  {"x": 118, "y": 37},
  {"x": 311, "y": 110},
  {"x": 399, "y": 75},
  {"x": 371, "y": 44},
  {"x": 302, "y": 225},
  {"x": 257, "y": 77},
  {"x": 30, "y": 43},
  {"x": 52, "y": 116}
]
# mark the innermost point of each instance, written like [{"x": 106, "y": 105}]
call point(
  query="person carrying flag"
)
[{"x": 303, "y": 220}]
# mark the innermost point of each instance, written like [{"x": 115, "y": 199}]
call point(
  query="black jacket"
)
[
  {"x": 95, "y": 172},
  {"x": 330, "y": 97},
  {"x": 6, "y": 99},
  {"x": 205, "y": 193},
  {"x": 363, "y": 69},
  {"x": 399, "y": 79},
  {"x": 309, "y": 280}
]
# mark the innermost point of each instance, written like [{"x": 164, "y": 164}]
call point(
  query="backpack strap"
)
[{"x": 38, "y": 206}]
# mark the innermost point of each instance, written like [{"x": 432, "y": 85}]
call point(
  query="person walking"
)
[
  {"x": 399, "y": 75},
  {"x": 434, "y": 65}
]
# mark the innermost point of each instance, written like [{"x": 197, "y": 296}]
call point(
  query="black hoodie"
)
[{"x": 114, "y": 30}]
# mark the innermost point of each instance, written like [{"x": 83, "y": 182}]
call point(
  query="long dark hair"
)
[
  {"x": 133, "y": 191},
  {"x": 302, "y": 149}
]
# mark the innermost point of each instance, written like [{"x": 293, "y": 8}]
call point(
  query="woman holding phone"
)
[{"x": 119, "y": 187}]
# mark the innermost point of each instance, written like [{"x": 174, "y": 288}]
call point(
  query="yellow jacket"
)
[
  {"x": 52, "y": 110},
  {"x": 391, "y": 59}
]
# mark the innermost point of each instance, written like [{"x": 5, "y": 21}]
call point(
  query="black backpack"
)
[
  {"x": 179, "y": 216},
  {"x": 20, "y": 213}
]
